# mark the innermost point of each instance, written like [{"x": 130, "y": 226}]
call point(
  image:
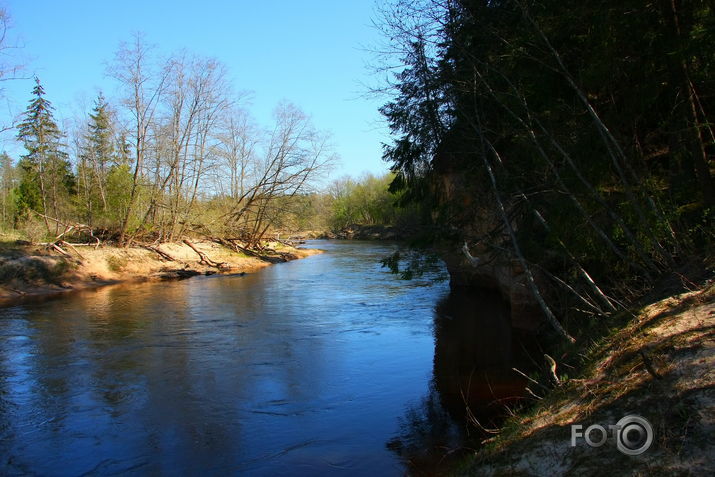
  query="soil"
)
[
  {"x": 27, "y": 270},
  {"x": 661, "y": 366}
]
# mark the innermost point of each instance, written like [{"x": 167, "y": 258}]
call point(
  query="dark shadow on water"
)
[{"x": 473, "y": 386}]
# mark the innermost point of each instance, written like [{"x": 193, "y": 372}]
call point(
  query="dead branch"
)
[
  {"x": 287, "y": 243},
  {"x": 57, "y": 248},
  {"x": 517, "y": 250},
  {"x": 204, "y": 258},
  {"x": 474, "y": 261},
  {"x": 534, "y": 395},
  {"x": 552, "y": 370},
  {"x": 62, "y": 242},
  {"x": 69, "y": 226},
  {"x": 238, "y": 248},
  {"x": 530, "y": 379},
  {"x": 161, "y": 253}
]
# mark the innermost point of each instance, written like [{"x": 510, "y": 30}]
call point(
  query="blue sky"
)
[{"x": 309, "y": 52}]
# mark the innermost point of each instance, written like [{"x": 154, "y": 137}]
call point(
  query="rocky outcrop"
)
[
  {"x": 468, "y": 212},
  {"x": 368, "y": 232},
  {"x": 365, "y": 232},
  {"x": 503, "y": 276}
]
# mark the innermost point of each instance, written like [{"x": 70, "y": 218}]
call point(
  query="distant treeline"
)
[{"x": 174, "y": 153}]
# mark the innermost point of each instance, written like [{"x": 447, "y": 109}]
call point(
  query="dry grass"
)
[{"x": 660, "y": 366}]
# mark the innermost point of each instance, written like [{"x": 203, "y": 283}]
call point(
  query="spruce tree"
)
[
  {"x": 47, "y": 180},
  {"x": 97, "y": 157}
]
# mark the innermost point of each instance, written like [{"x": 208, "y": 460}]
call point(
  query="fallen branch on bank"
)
[
  {"x": 69, "y": 227},
  {"x": 205, "y": 258},
  {"x": 67, "y": 244},
  {"x": 233, "y": 245},
  {"x": 289, "y": 243},
  {"x": 161, "y": 253},
  {"x": 57, "y": 248}
]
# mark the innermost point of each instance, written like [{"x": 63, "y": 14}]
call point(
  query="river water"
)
[{"x": 324, "y": 365}]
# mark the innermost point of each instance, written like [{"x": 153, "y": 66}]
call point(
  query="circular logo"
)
[{"x": 634, "y": 435}]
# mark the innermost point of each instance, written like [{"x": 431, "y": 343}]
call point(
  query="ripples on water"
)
[{"x": 308, "y": 367}]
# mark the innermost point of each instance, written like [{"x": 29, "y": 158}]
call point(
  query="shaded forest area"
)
[{"x": 573, "y": 139}]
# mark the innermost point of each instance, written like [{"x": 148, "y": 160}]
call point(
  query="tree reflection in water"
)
[{"x": 473, "y": 385}]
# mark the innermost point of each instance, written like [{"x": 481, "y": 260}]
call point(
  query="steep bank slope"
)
[
  {"x": 661, "y": 367},
  {"x": 27, "y": 270}
]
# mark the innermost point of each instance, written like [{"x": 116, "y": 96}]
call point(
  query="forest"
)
[
  {"x": 177, "y": 153},
  {"x": 554, "y": 159},
  {"x": 574, "y": 139},
  {"x": 174, "y": 147}
]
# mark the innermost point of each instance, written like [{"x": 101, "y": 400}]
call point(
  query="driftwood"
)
[
  {"x": 204, "y": 258},
  {"x": 67, "y": 244},
  {"x": 281, "y": 256},
  {"x": 57, "y": 248},
  {"x": 232, "y": 244},
  {"x": 70, "y": 226},
  {"x": 161, "y": 253}
]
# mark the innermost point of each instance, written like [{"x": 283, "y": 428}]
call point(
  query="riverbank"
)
[
  {"x": 661, "y": 366},
  {"x": 27, "y": 270},
  {"x": 388, "y": 233}
]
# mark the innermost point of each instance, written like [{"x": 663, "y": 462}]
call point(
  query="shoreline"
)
[
  {"x": 659, "y": 365},
  {"x": 30, "y": 272}
]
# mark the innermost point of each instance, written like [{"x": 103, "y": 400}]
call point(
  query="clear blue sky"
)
[{"x": 309, "y": 52}]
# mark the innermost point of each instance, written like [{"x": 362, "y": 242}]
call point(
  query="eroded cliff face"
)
[
  {"x": 505, "y": 277},
  {"x": 468, "y": 214}
]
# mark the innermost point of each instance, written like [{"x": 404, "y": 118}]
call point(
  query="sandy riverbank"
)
[
  {"x": 27, "y": 270},
  {"x": 661, "y": 366}
]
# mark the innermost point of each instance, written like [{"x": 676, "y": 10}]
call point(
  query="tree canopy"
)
[{"x": 575, "y": 137}]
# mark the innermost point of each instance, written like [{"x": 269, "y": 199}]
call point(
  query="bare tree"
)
[
  {"x": 10, "y": 67},
  {"x": 194, "y": 100},
  {"x": 208, "y": 90},
  {"x": 236, "y": 150},
  {"x": 295, "y": 155},
  {"x": 144, "y": 86}
]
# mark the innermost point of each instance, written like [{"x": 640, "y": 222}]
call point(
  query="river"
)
[{"x": 324, "y": 365}]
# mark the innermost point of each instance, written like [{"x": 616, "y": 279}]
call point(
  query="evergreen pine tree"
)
[
  {"x": 97, "y": 158},
  {"x": 46, "y": 179}
]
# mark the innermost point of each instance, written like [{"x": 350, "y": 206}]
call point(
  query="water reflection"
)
[
  {"x": 475, "y": 351},
  {"x": 303, "y": 368},
  {"x": 473, "y": 382}
]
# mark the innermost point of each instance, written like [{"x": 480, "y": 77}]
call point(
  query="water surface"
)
[{"x": 307, "y": 367}]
